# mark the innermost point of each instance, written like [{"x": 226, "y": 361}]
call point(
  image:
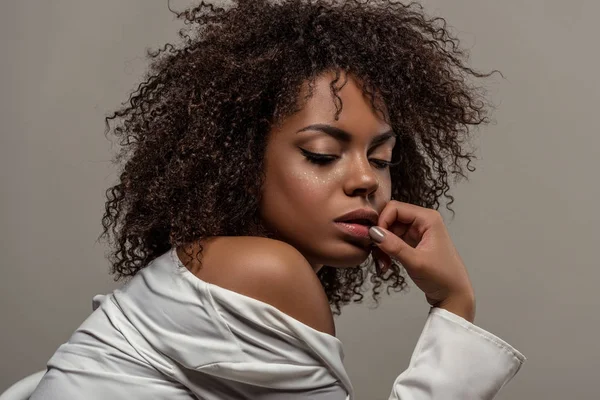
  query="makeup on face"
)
[
  {"x": 320, "y": 167},
  {"x": 355, "y": 229},
  {"x": 345, "y": 138}
]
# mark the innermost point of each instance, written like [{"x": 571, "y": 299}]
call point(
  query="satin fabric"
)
[{"x": 166, "y": 334}]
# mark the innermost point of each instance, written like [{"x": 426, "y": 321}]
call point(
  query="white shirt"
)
[{"x": 166, "y": 334}]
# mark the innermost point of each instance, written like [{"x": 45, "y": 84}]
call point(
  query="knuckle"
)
[
  {"x": 392, "y": 204},
  {"x": 436, "y": 216}
]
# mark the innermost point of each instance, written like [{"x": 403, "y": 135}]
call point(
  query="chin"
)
[{"x": 349, "y": 255}]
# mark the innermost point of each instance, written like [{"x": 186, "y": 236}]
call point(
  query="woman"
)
[{"x": 271, "y": 161}]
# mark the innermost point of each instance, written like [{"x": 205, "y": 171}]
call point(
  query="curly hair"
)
[{"x": 193, "y": 134}]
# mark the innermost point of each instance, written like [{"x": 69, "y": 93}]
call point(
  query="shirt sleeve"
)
[{"x": 455, "y": 359}]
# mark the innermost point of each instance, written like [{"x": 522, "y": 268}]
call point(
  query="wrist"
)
[{"x": 463, "y": 306}]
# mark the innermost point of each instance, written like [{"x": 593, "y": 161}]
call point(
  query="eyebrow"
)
[{"x": 344, "y": 136}]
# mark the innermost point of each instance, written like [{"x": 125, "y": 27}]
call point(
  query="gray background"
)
[{"x": 526, "y": 223}]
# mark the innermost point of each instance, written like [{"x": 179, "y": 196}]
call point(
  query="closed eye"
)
[{"x": 324, "y": 159}]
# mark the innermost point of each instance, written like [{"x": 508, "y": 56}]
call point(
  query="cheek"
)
[
  {"x": 311, "y": 186},
  {"x": 385, "y": 187},
  {"x": 295, "y": 190}
]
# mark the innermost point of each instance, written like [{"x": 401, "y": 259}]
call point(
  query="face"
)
[{"x": 302, "y": 197}]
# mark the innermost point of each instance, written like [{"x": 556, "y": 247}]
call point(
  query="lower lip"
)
[{"x": 356, "y": 230}]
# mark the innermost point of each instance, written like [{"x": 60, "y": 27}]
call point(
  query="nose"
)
[{"x": 362, "y": 178}]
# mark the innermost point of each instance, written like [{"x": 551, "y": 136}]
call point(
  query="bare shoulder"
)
[{"x": 273, "y": 272}]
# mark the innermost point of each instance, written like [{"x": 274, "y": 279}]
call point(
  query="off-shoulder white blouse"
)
[{"x": 166, "y": 334}]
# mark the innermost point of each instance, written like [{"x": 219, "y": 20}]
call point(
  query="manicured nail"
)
[{"x": 376, "y": 234}]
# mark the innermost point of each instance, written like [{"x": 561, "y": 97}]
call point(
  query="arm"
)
[{"x": 453, "y": 359}]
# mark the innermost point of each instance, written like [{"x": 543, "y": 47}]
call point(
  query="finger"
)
[
  {"x": 383, "y": 259},
  {"x": 394, "y": 247},
  {"x": 411, "y": 215}
]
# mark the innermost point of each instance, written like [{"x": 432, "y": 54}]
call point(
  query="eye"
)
[
  {"x": 320, "y": 159},
  {"x": 324, "y": 159},
  {"x": 381, "y": 164}
]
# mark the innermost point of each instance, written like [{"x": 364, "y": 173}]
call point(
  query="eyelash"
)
[{"x": 321, "y": 159}]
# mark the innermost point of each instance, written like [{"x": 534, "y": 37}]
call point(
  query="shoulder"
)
[{"x": 273, "y": 272}]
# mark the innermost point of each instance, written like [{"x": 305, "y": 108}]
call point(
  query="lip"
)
[
  {"x": 360, "y": 213},
  {"x": 356, "y": 230}
]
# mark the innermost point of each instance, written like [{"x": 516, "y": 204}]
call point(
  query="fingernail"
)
[{"x": 376, "y": 234}]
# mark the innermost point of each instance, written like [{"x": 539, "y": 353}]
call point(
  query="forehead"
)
[
  {"x": 356, "y": 105},
  {"x": 357, "y": 115}
]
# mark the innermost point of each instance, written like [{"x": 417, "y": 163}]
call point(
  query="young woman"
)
[{"x": 278, "y": 159}]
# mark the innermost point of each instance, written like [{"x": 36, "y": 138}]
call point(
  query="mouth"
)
[
  {"x": 359, "y": 221},
  {"x": 362, "y": 216},
  {"x": 355, "y": 224},
  {"x": 355, "y": 228}
]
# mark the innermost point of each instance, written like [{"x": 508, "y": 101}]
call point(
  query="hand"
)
[{"x": 417, "y": 237}]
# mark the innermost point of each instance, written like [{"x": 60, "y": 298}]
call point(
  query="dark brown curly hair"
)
[{"x": 193, "y": 134}]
